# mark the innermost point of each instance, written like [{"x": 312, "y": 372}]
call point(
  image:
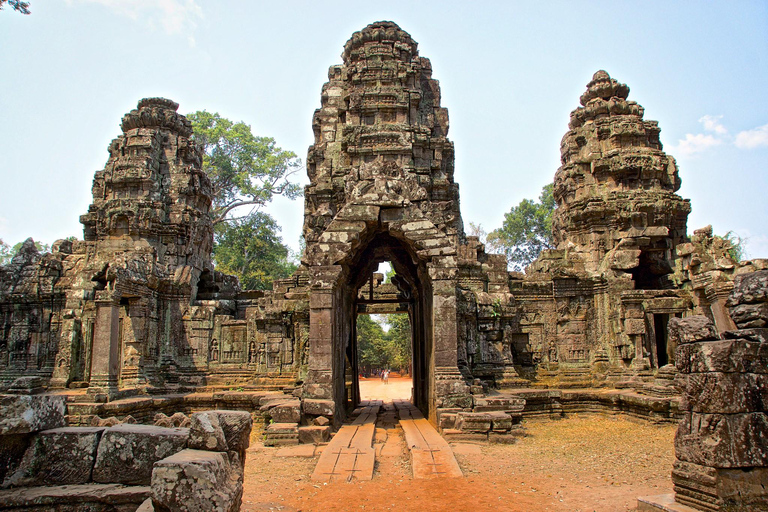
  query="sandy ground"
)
[
  {"x": 582, "y": 463},
  {"x": 375, "y": 389}
]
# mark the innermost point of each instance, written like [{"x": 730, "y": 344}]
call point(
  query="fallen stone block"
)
[
  {"x": 196, "y": 481},
  {"x": 314, "y": 435},
  {"x": 62, "y": 456},
  {"x": 126, "y": 453},
  {"x": 280, "y": 434},
  {"x": 205, "y": 432},
  {"x": 729, "y": 355},
  {"x": 289, "y": 412},
  {"x": 25, "y": 414},
  {"x": 723, "y": 440},
  {"x": 691, "y": 329},
  {"x": 317, "y": 407}
]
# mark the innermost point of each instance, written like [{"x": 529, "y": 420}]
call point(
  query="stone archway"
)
[{"x": 381, "y": 184}]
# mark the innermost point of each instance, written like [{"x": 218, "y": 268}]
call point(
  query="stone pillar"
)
[
  {"x": 717, "y": 295},
  {"x": 720, "y": 446},
  {"x": 449, "y": 387},
  {"x": 323, "y": 346},
  {"x": 105, "y": 351}
]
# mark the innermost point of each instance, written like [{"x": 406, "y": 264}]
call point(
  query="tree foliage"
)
[
  {"x": 736, "y": 245},
  {"x": 7, "y": 252},
  {"x": 245, "y": 170},
  {"x": 527, "y": 230},
  {"x": 16, "y": 5},
  {"x": 251, "y": 249},
  {"x": 378, "y": 349}
]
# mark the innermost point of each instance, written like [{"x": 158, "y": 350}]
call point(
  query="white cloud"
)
[
  {"x": 754, "y": 138},
  {"x": 696, "y": 143},
  {"x": 176, "y": 17},
  {"x": 712, "y": 124}
]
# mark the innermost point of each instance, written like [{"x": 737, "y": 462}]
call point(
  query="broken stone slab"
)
[
  {"x": 314, "y": 435},
  {"x": 759, "y": 335},
  {"x": 196, "y": 480},
  {"x": 728, "y": 355},
  {"x": 747, "y": 316},
  {"x": 317, "y": 407},
  {"x": 25, "y": 414},
  {"x": 26, "y": 385},
  {"x": 126, "y": 453},
  {"x": 321, "y": 421},
  {"x": 205, "y": 432},
  {"x": 288, "y": 412},
  {"x": 62, "y": 456},
  {"x": 90, "y": 497},
  {"x": 723, "y": 440},
  {"x": 691, "y": 329},
  {"x": 749, "y": 288}
]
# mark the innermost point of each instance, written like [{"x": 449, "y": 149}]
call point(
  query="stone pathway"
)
[{"x": 351, "y": 455}]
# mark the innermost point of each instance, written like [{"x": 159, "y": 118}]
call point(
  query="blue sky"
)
[{"x": 510, "y": 73}]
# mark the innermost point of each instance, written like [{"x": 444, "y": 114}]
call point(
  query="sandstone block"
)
[
  {"x": 723, "y": 440},
  {"x": 24, "y": 414},
  {"x": 205, "y": 432},
  {"x": 747, "y": 316},
  {"x": 749, "y": 288},
  {"x": 691, "y": 329},
  {"x": 62, "y": 456},
  {"x": 318, "y": 407},
  {"x": 474, "y": 421},
  {"x": 126, "y": 453},
  {"x": 314, "y": 435},
  {"x": 289, "y": 412},
  {"x": 729, "y": 355},
  {"x": 196, "y": 480},
  {"x": 321, "y": 421},
  {"x": 725, "y": 393}
]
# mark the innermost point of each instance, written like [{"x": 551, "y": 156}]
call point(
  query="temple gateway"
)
[{"x": 137, "y": 309}]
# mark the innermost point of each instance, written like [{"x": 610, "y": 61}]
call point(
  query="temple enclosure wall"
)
[{"x": 136, "y": 308}]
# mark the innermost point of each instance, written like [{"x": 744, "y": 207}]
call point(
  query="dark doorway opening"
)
[
  {"x": 651, "y": 273},
  {"x": 660, "y": 331}
]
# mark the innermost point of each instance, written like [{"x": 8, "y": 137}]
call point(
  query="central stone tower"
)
[{"x": 381, "y": 189}]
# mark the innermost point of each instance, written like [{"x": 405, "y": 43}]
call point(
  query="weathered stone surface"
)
[
  {"x": 205, "y": 432},
  {"x": 729, "y": 355},
  {"x": 726, "y": 393},
  {"x": 691, "y": 330},
  {"x": 126, "y": 453},
  {"x": 318, "y": 407},
  {"x": 314, "y": 435},
  {"x": 289, "y": 412},
  {"x": 748, "y": 316},
  {"x": 67, "y": 498},
  {"x": 723, "y": 440},
  {"x": 24, "y": 414},
  {"x": 62, "y": 456},
  {"x": 196, "y": 480},
  {"x": 321, "y": 421}
]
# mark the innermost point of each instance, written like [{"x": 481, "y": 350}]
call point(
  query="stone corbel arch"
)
[{"x": 333, "y": 261}]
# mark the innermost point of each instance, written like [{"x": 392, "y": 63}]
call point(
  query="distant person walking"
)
[{"x": 386, "y": 376}]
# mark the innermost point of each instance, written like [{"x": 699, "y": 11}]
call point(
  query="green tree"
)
[
  {"x": 736, "y": 245},
  {"x": 245, "y": 170},
  {"x": 371, "y": 347},
  {"x": 16, "y": 5},
  {"x": 7, "y": 252},
  {"x": 527, "y": 230},
  {"x": 251, "y": 249},
  {"x": 399, "y": 338}
]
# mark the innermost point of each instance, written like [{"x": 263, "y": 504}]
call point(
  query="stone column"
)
[
  {"x": 105, "y": 351},
  {"x": 322, "y": 344},
  {"x": 449, "y": 387}
]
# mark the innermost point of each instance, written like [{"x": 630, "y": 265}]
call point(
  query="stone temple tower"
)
[
  {"x": 382, "y": 189},
  {"x": 615, "y": 190}
]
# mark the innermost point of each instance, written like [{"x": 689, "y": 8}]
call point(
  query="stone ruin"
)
[{"x": 136, "y": 309}]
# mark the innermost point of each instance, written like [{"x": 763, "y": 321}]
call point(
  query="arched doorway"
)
[{"x": 413, "y": 297}]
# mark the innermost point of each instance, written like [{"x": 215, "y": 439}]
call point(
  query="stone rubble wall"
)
[
  {"x": 123, "y": 466},
  {"x": 720, "y": 447}
]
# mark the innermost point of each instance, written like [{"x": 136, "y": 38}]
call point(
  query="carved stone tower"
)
[
  {"x": 381, "y": 188},
  {"x": 615, "y": 190}
]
